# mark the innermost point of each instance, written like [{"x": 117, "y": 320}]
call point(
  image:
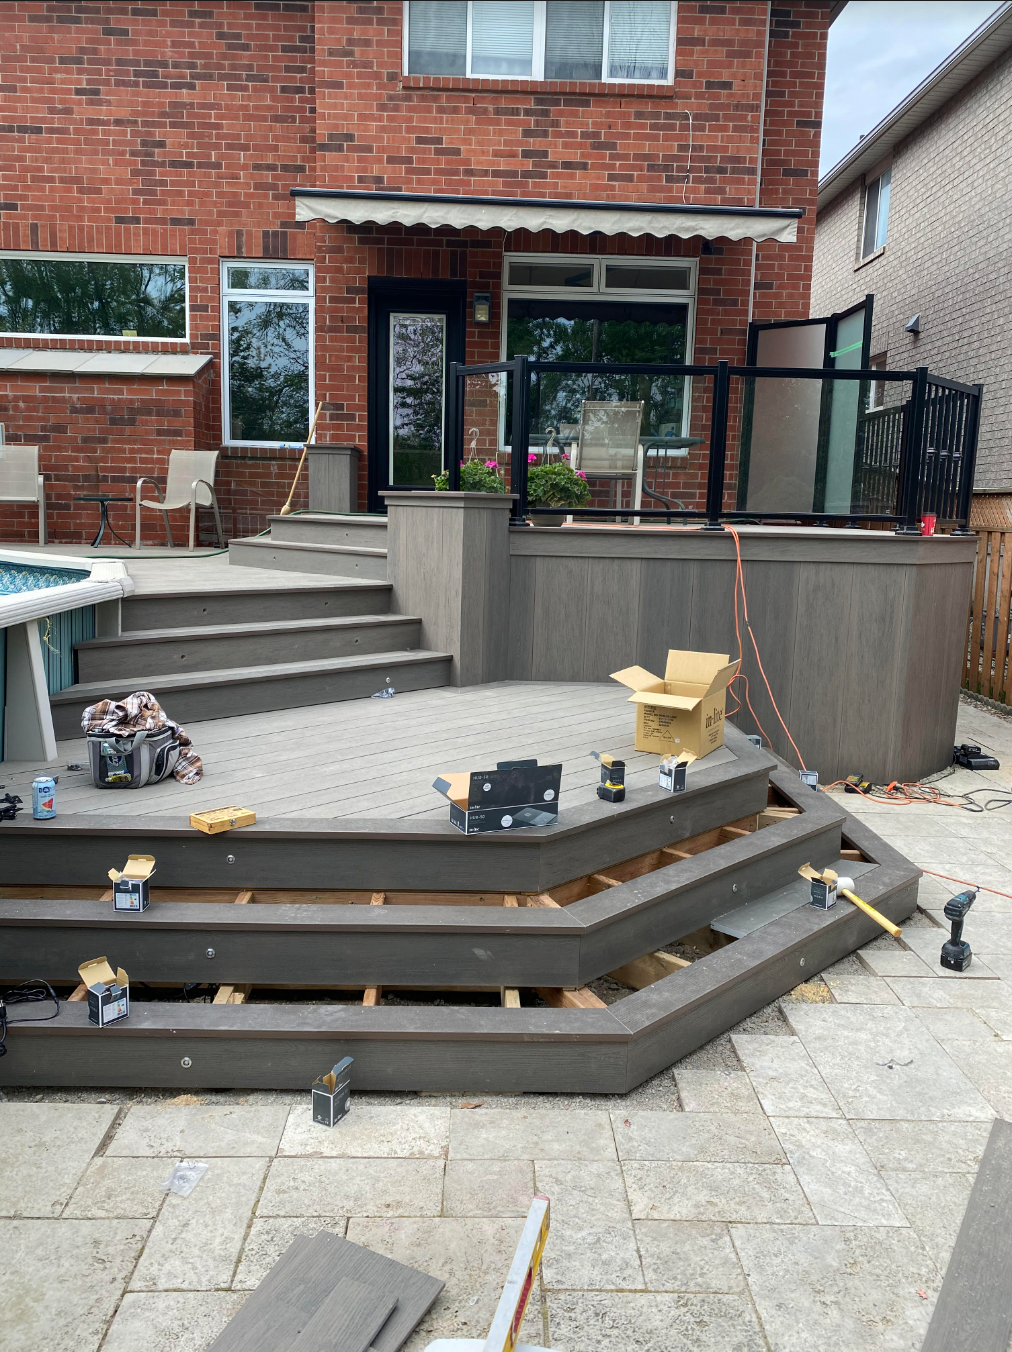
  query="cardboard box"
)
[
  {"x": 332, "y": 1094},
  {"x": 108, "y": 992},
  {"x": 218, "y": 819},
  {"x": 514, "y": 794},
  {"x": 130, "y": 889},
  {"x": 685, "y": 711}
]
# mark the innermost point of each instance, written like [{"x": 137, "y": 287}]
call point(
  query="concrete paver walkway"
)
[{"x": 797, "y": 1184}]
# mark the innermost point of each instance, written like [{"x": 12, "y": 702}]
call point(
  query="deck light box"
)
[
  {"x": 108, "y": 992},
  {"x": 514, "y": 794},
  {"x": 685, "y": 711},
  {"x": 131, "y": 887},
  {"x": 671, "y": 772},
  {"x": 332, "y": 1094}
]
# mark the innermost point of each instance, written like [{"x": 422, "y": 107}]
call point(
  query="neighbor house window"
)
[
  {"x": 92, "y": 296},
  {"x": 267, "y": 341},
  {"x": 876, "y": 388},
  {"x": 876, "y": 213},
  {"x": 619, "y": 40},
  {"x": 606, "y": 309}
]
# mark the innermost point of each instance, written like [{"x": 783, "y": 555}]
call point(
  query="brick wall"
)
[{"x": 947, "y": 257}]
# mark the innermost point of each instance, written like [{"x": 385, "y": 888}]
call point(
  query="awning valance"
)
[{"x": 525, "y": 213}]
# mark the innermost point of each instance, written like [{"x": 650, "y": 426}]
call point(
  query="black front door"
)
[{"x": 416, "y": 328}]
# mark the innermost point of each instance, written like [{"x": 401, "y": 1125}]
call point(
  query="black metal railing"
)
[{"x": 827, "y": 457}]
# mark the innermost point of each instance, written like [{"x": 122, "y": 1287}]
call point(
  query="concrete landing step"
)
[
  {"x": 249, "y": 605},
  {"x": 299, "y": 557},
  {"x": 199, "y": 695},
  {"x": 214, "y": 647}
]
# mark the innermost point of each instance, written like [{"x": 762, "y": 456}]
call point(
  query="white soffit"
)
[{"x": 498, "y": 213}]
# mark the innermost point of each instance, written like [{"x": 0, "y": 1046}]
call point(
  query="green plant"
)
[
  {"x": 476, "y": 476},
  {"x": 557, "y": 485}
]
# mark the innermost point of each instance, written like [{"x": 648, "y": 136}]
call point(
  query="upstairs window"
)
[
  {"x": 92, "y": 296},
  {"x": 611, "y": 40},
  {"x": 876, "y": 213}
]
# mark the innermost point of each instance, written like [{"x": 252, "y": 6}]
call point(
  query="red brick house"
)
[{"x": 303, "y": 199}]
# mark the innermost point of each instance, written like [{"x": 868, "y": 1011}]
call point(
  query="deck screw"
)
[
  {"x": 210, "y": 952},
  {"x": 186, "y": 1063},
  {"x": 230, "y": 859},
  {"x": 802, "y": 962},
  {"x": 734, "y": 887}
]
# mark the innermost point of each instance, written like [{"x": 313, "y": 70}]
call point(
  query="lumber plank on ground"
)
[
  {"x": 560, "y": 998},
  {"x": 645, "y": 971}
]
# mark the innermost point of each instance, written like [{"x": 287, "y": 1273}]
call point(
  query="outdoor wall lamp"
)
[
  {"x": 481, "y": 307},
  {"x": 914, "y": 325}
]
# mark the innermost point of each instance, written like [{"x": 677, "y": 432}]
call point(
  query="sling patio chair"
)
[
  {"x": 189, "y": 483},
  {"x": 609, "y": 445},
  {"x": 21, "y": 482}
]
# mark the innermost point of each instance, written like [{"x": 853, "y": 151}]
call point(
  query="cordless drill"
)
[{"x": 956, "y": 951}]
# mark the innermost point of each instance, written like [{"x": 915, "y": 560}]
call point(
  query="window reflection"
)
[
  {"x": 417, "y": 384},
  {"x": 268, "y": 370}
]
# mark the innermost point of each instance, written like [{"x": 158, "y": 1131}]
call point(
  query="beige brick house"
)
[{"x": 919, "y": 214}]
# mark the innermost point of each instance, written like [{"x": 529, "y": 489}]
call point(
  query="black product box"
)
[
  {"x": 513, "y": 795},
  {"x": 131, "y": 888},
  {"x": 823, "y": 894},
  {"x": 332, "y": 1094},
  {"x": 108, "y": 992}
]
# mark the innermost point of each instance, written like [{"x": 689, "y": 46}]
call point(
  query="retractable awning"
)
[{"x": 525, "y": 213}]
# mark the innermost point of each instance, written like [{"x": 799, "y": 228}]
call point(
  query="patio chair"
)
[
  {"x": 189, "y": 483},
  {"x": 20, "y": 480},
  {"x": 609, "y": 444}
]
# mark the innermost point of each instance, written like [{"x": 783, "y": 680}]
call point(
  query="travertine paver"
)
[
  {"x": 111, "y": 1187},
  {"x": 937, "y": 993},
  {"x": 688, "y": 1256},
  {"x": 588, "y": 1322},
  {"x": 942, "y": 1147},
  {"x": 842, "y": 1185},
  {"x": 361, "y": 1187},
  {"x": 171, "y": 1321},
  {"x": 270, "y": 1236},
  {"x": 892, "y": 961},
  {"x": 488, "y": 1187},
  {"x": 44, "y": 1150},
  {"x": 947, "y": 1024},
  {"x": 716, "y": 1091},
  {"x": 934, "y": 1205},
  {"x": 370, "y": 1131},
  {"x": 989, "y": 1066},
  {"x": 716, "y": 1192},
  {"x": 196, "y": 1240},
  {"x": 1000, "y": 1020},
  {"x": 189, "y": 1131},
  {"x": 60, "y": 1281},
  {"x": 860, "y": 990},
  {"x": 591, "y": 1224},
  {"x": 741, "y": 1138},
  {"x": 501, "y": 1134},
  {"x": 784, "y": 1077}
]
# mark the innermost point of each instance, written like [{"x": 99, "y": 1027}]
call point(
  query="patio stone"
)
[
  {"x": 171, "y": 1321},
  {"x": 593, "y": 1246},
  {"x": 716, "y": 1192},
  {"x": 784, "y": 1077},
  {"x": 998, "y": 1019},
  {"x": 744, "y": 1138},
  {"x": 502, "y": 1134},
  {"x": 716, "y": 1091},
  {"x": 120, "y": 1187},
  {"x": 337, "y": 1187},
  {"x": 269, "y": 1237},
  {"x": 61, "y": 1280},
  {"x": 588, "y": 1322},
  {"x": 880, "y": 1061},
  {"x": 192, "y": 1132},
  {"x": 851, "y": 1288},
  {"x": 934, "y": 1205},
  {"x": 894, "y": 961},
  {"x": 472, "y": 1256},
  {"x": 927, "y": 944},
  {"x": 937, "y": 993},
  {"x": 938, "y": 1147},
  {"x": 196, "y": 1240},
  {"x": 370, "y": 1131},
  {"x": 488, "y": 1187},
  {"x": 688, "y": 1256},
  {"x": 44, "y": 1150},
  {"x": 860, "y": 990},
  {"x": 842, "y": 1185},
  {"x": 989, "y": 1067},
  {"x": 946, "y": 1024}
]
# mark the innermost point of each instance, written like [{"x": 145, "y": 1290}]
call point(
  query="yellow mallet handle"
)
[
  {"x": 287, "y": 508},
  {"x": 877, "y": 916}
]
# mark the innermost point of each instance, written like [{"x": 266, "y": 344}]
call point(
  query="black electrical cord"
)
[{"x": 28, "y": 993}]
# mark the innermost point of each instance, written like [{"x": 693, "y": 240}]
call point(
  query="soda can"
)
[{"x": 44, "y": 797}]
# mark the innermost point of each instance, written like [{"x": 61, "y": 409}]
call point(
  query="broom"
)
[{"x": 287, "y": 508}]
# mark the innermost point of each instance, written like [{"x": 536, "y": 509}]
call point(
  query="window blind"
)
[
  {"x": 502, "y": 37},
  {"x": 639, "y": 39},
  {"x": 574, "y": 38},
  {"x": 437, "y": 37}
]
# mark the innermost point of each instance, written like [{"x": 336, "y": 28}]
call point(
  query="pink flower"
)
[
  {"x": 580, "y": 474},
  {"x": 491, "y": 464},
  {"x": 564, "y": 455},
  {"x": 532, "y": 459}
]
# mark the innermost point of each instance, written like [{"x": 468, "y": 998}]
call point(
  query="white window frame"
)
[
  {"x": 307, "y": 297},
  {"x": 538, "y": 56},
  {"x": 63, "y": 257},
  {"x": 869, "y": 184},
  {"x": 597, "y": 291}
]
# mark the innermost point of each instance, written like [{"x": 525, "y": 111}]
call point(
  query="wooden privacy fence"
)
[{"x": 987, "y": 647}]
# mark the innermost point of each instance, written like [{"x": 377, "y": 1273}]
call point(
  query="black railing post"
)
[
  {"x": 454, "y": 429},
  {"x": 969, "y": 464},
  {"x": 718, "y": 448},
  {"x": 521, "y": 439},
  {"x": 907, "y": 507}
]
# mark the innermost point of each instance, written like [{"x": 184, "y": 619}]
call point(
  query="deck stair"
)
[
  {"x": 215, "y": 654},
  {"x": 354, "y": 545}
]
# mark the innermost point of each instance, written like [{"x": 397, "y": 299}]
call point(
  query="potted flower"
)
[
  {"x": 555, "y": 485},
  {"x": 476, "y": 476}
]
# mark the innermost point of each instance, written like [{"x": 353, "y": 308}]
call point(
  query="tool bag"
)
[{"x": 132, "y": 761}]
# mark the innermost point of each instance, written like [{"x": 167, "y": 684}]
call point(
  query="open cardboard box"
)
[
  {"x": 130, "y": 888},
  {"x": 108, "y": 991},
  {"x": 685, "y": 711},
  {"x": 514, "y": 794}
]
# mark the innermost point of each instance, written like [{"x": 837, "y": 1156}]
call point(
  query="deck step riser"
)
[
  {"x": 111, "y": 659},
  {"x": 280, "y": 556},
  {"x": 329, "y": 531},
  {"x": 230, "y": 699},
  {"x": 170, "y": 612}
]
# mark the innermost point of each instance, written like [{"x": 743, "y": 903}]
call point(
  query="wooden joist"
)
[
  {"x": 510, "y": 997},
  {"x": 373, "y": 995},
  {"x": 642, "y": 972},
  {"x": 604, "y": 880},
  {"x": 243, "y": 898},
  {"x": 232, "y": 995},
  {"x": 735, "y": 832},
  {"x": 676, "y": 854},
  {"x": 510, "y": 900},
  {"x": 79, "y": 993},
  {"x": 542, "y": 899},
  {"x": 560, "y": 998},
  {"x": 855, "y": 856}
]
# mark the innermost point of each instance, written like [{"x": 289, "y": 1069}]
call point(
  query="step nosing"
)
[
  {"x": 309, "y": 546},
  {"x": 223, "y": 632}
]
